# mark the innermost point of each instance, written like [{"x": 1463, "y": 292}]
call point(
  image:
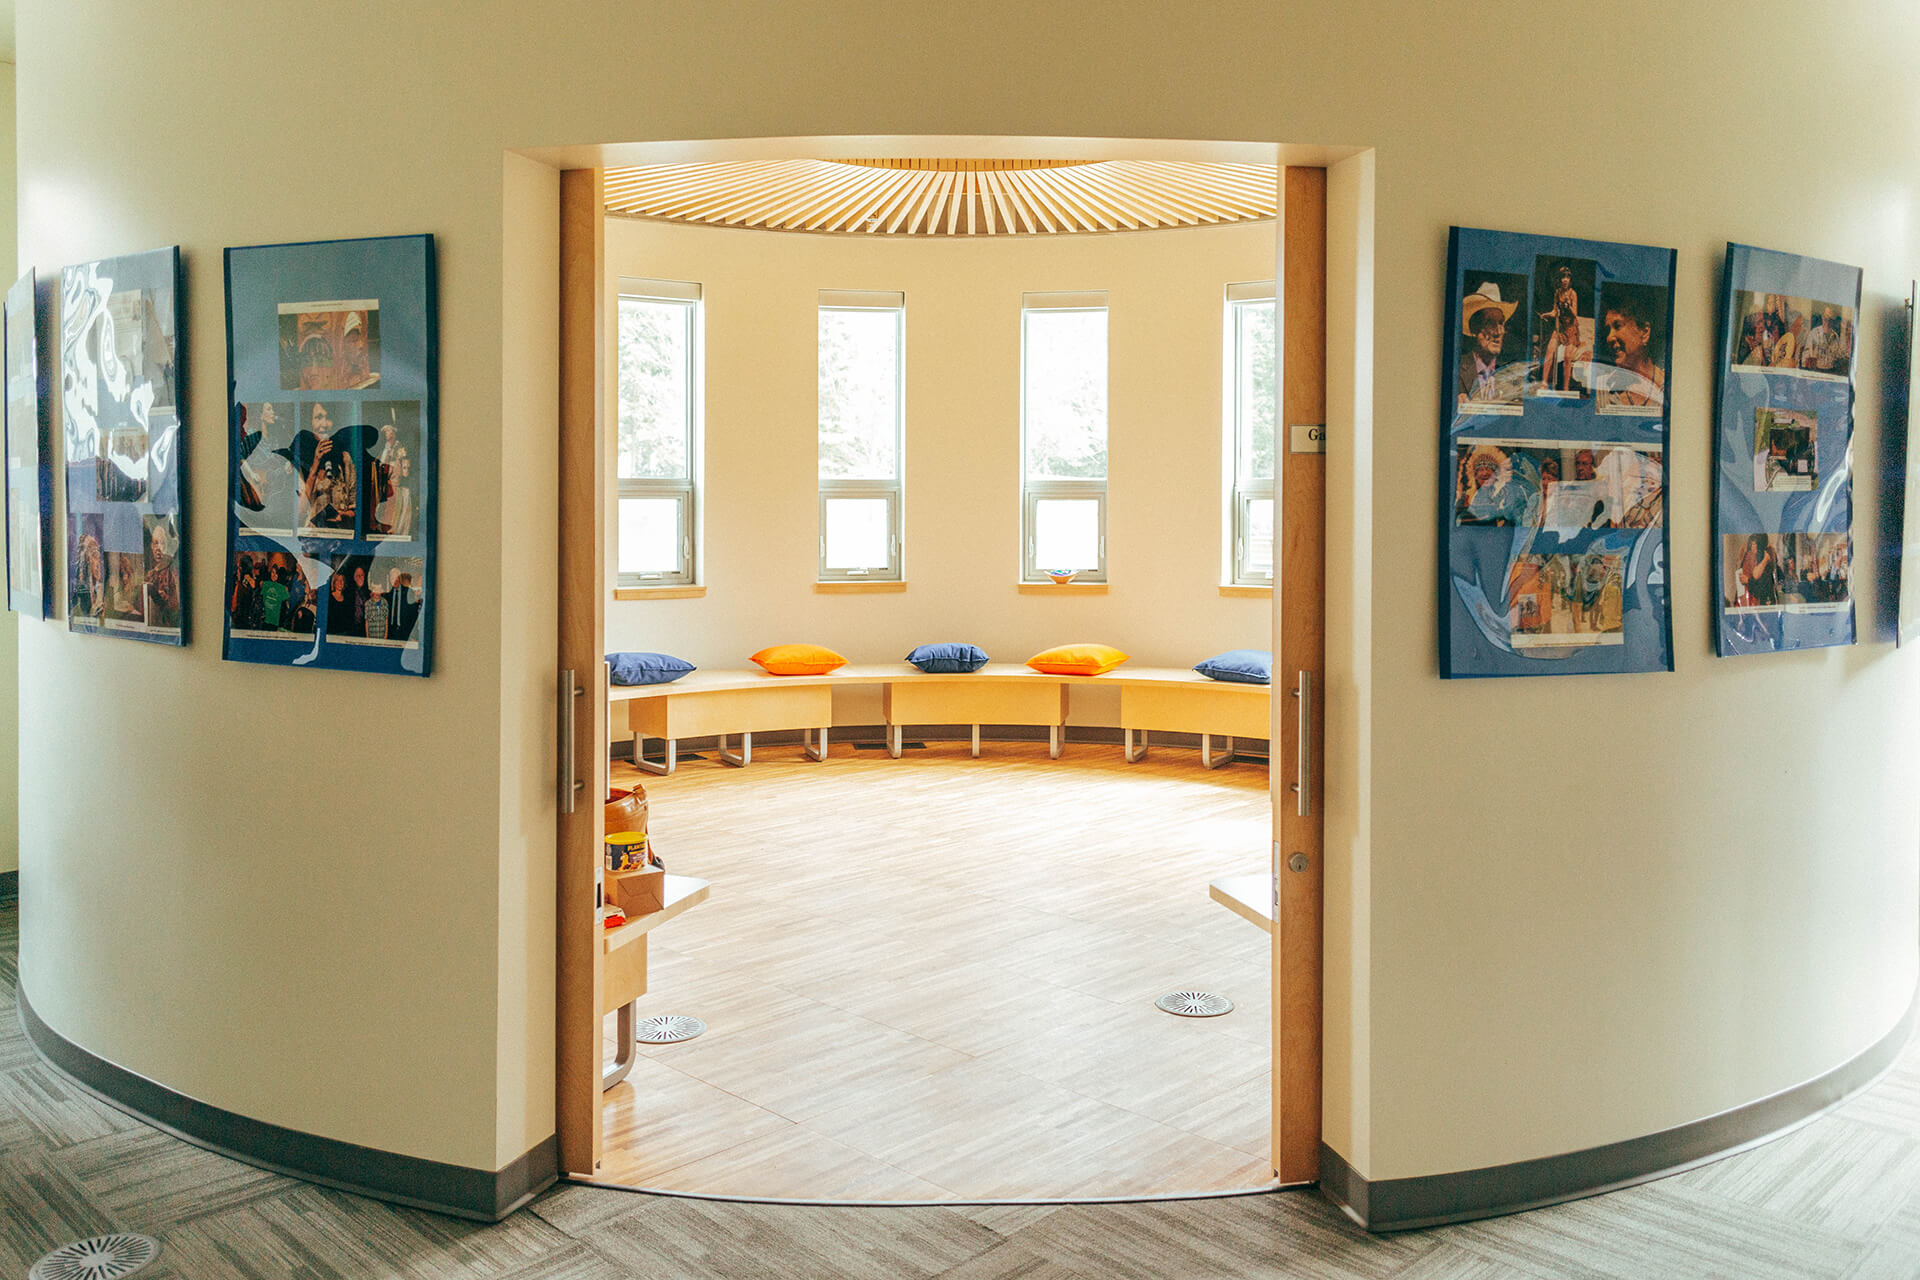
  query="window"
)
[
  {"x": 1063, "y": 435},
  {"x": 1251, "y": 407},
  {"x": 862, "y": 341},
  {"x": 658, "y": 443}
]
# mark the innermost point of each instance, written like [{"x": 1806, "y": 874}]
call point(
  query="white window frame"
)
[
  {"x": 894, "y": 490},
  {"x": 1033, "y": 492},
  {"x": 1242, "y": 489},
  {"x": 684, "y": 490}
]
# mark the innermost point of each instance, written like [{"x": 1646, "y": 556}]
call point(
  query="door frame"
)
[{"x": 1298, "y": 629}]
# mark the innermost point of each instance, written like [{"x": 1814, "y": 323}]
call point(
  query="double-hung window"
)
[
  {"x": 1063, "y": 435},
  {"x": 658, "y": 466},
  {"x": 862, "y": 417},
  {"x": 1251, "y": 406}
]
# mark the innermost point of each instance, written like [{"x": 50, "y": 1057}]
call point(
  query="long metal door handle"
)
[
  {"x": 1303, "y": 745},
  {"x": 570, "y": 786}
]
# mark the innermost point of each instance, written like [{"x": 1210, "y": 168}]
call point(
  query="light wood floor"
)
[{"x": 933, "y": 978}]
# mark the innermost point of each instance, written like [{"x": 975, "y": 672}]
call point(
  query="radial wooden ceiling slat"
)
[
  {"x": 829, "y": 208},
  {"x": 1008, "y": 202},
  {"x": 1151, "y": 205},
  {"x": 917, "y": 205},
  {"x": 722, "y": 199},
  {"x": 1033, "y": 204},
  {"x": 1224, "y": 189},
  {"x": 957, "y": 196},
  {"x": 946, "y": 197},
  {"x": 1113, "y": 213}
]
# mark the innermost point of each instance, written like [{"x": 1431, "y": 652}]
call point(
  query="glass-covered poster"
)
[
  {"x": 1553, "y": 520},
  {"x": 331, "y": 356},
  {"x": 121, "y": 387},
  {"x": 29, "y": 461},
  {"x": 1783, "y": 466}
]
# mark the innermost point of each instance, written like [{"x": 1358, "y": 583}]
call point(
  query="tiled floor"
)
[
  {"x": 932, "y": 978},
  {"x": 1837, "y": 1200}
]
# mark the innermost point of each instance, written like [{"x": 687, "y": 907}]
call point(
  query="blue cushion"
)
[
  {"x": 647, "y": 668},
  {"x": 948, "y": 659},
  {"x": 1240, "y": 666}
]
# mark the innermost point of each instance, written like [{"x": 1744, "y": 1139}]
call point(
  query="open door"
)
[
  {"x": 581, "y": 691},
  {"x": 1299, "y": 629}
]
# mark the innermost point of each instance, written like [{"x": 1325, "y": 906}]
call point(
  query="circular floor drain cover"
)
[
  {"x": 101, "y": 1258},
  {"x": 1194, "y": 1004},
  {"x": 669, "y": 1028}
]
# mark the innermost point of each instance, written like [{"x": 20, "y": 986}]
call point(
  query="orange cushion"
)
[
  {"x": 1077, "y": 660},
  {"x": 799, "y": 660}
]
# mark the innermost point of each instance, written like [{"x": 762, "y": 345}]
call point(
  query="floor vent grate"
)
[
  {"x": 668, "y": 1028},
  {"x": 101, "y": 1258},
  {"x": 1194, "y": 1004}
]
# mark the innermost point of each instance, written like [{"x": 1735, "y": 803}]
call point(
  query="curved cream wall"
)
[
  {"x": 1561, "y": 912},
  {"x": 1165, "y": 294}
]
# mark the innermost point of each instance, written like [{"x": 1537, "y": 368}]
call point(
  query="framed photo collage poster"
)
[
  {"x": 1554, "y": 426},
  {"x": 1783, "y": 453},
  {"x": 332, "y": 352},
  {"x": 121, "y": 385}
]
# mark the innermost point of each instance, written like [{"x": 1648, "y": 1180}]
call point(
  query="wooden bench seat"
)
[{"x": 720, "y": 704}]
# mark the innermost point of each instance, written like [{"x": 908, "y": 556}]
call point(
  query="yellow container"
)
[{"x": 626, "y": 850}]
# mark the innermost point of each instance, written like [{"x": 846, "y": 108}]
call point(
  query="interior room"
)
[
  {"x": 919, "y": 959},
  {"x": 1617, "y": 968}
]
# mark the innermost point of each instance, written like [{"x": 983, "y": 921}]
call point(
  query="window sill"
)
[
  {"x": 1227, "y": 589},
  {"x": 858, "y": 588},
  {"x": 1063, "y": 588},
  {"x": 658, "y": 593}
]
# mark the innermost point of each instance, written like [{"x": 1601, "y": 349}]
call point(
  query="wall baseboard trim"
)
[
  {"x": 1404, "y": 1204},
  {"x": 9, "y": 885},
  {"x": 451, "y": 1189}
]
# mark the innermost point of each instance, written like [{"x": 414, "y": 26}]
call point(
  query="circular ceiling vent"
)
[
  {"x": 101, "y": 1258},
  {"x": 668, "y": 1028},
  {"x": 1194, "y": 1004}
]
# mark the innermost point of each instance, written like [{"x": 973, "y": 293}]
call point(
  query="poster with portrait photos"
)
[
  {"x": 122, "y": 405},
  {"x": 29, "y": 459},
  {"x": 1783, "y": 453},
  {"x": 1554, "y": 424},
  {"x": 332, "y": 360}
]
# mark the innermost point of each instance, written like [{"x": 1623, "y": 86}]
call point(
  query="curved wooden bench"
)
[{"x": 722, "y": 704}]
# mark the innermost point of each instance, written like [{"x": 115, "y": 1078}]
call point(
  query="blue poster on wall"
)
[
  {"x": 1783, "y": 453},
  {"x": 334, "y": 421},
  {"x": 1554, "y": 418}
]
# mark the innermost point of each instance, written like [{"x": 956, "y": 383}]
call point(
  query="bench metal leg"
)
[
  {"x": 1135, "y": 756},
  {"x": 976, "y": 742},
  {"x": 893, "y": 740},
  {"x": 1206, "y": 752},
  {"x": 745, "y": 757},
  {"x": 624, "y": 1055},
  {"x": 814, "y": 752},
  {"x": 664, "y": 765},
  {"x": 1053, "y": 742}
]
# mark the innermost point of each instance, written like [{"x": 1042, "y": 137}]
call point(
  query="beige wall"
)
[
  {"x": 1566, "y": 911},
  {"x": 1165, "y": 293}
]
